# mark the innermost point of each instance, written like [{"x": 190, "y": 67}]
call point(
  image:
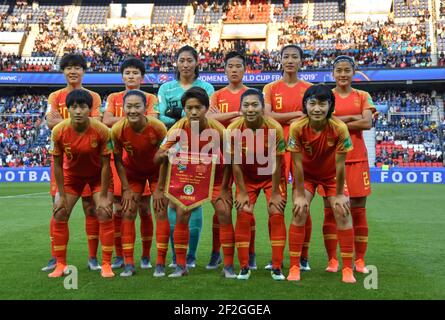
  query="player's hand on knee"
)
[
  {"x": 105, "y": 207},
  {"x": 127, "y": 199},
  {"x": 277, "y": 201},
  {"x": 342, "y": 205},
  {"x": 159, "y": 201},
  {"x": 301, "y": 206},
  {"x": 225, "y": 198},
  {"x": 60, "y": 210},
  {"x": 242, "y": 201}
]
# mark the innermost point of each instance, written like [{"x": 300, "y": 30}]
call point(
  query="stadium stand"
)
[
  {"x": 328, "y": 11},
  {"x": 409, "y": 133},
  {"x": 93, "y": 12},
  {"x": 405, "y": 135}
]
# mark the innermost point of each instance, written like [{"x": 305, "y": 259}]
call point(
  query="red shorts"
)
[
  {"x": 117, "y": 185},
  {"x": 142, "y": 185},
  {"x": 78, "y": 185},
  {"x": 325, "y": 188},
  {"x": 217, "y": 186},
  {"x": 254, "y": 188},
  {"x": 86, "y": 192},
  {"x": 358, "y": 179}
]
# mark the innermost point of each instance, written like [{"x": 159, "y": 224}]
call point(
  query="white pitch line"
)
[{"x": 26, "y": 195}]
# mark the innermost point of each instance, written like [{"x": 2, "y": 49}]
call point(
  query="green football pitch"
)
[{"x": 406, "y": 239}]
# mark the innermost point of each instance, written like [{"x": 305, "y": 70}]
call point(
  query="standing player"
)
[
  {"x": 81, "y": 148},
  {"x": 133, "y": 71},
  {"x": 319, "y": 144},
  {"x": 73, "y": 67},
  {"x": 250, "y": 181},
  {"x": 170, "y": 111},
  {"x": 225, "y": 107},
  {"x": 284, "y": 103},
  {"x": 355, "y": 108},
  {"x": 136, "y": 139},
  {"x": 196, "y": 104}
]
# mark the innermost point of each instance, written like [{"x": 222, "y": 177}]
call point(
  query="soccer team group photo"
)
[{"x": 222, "y": 149}]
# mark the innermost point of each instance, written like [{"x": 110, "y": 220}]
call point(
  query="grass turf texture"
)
[{"x": 406, "y": 238}]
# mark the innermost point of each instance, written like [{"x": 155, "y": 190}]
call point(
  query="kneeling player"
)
[
  {"x": 319, "y": 144},
  {"x": 81, "y": 147}
]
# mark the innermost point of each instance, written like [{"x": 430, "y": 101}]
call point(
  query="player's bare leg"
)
[
  {"x": 181, "y": 240},
  {"x": 146, "y": 231},
  {"x": 227, "y": 236},
  {"x": 63, "y": 207},
  {"x": 297, "y": 231},
  {"x": 360, "y": 225},
  {"x": 106, "y": 231},
  {"x": 346, "y": 240},
  {"x": 118, "y": 261},
  {"x": 92, "y": 231}
]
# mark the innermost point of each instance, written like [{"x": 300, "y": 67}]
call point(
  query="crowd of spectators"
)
[
  {"x": 405, "y": 134},
  {"x": 372, "y": 44},
  {"x": 106, "y": 48},
  {"x": 51, "y": 31},
  {"x": 24, "y": 138},
  {"x": 18, "y": 136},
  {"x": 11, "y": 63}
]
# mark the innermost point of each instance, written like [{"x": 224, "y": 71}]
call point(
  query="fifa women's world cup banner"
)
[{"x": 190, "y": 178}]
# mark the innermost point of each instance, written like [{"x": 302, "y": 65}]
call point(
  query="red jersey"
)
[
  {"x": 81, "y": 151},
  {"x": 249, "y": 153},
  {"x": 284, "y": 98},
  {"x": 354, "y": 104},
  {"x": 184, "y": 124},
  {"x": 138, "y": 148},
  {"x": 319, "y": 148},
  {"x": 57, "y": 103},
  {"x": 227, "y": 101},
  {"x": 115, "y": 104}
]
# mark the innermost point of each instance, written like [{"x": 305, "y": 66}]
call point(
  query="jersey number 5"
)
[{"x": 68, "y": 153}]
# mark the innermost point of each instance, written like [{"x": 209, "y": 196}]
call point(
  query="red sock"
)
[
  {"x": 51, "y": 235},
  {"x": 117, "y": 220},
  {"x": 228, "y": 243},
  {"x": 307, "y": 237},
  {"x": 162, "y": 236},
  {"x": 92, "y": 230},
  {"x": 128, "y": 239},
  {"x": 278, "y": 238},
  {"x": 330, "y": 233},
  {"x": 360, "y": 231},
  {"x": 106, "y": 234},
  {"x": 346, "y": 240},
  {"x": 216, "y": 243},
  {"x": 146, "y": 234},
  {"x": 61, "y": 235},
  {"x": 181, "y": 238},
  {"x": 252, "y": 234},
  {"x": 296, "y": 240},
  {"x": 242, "y": 237}
]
